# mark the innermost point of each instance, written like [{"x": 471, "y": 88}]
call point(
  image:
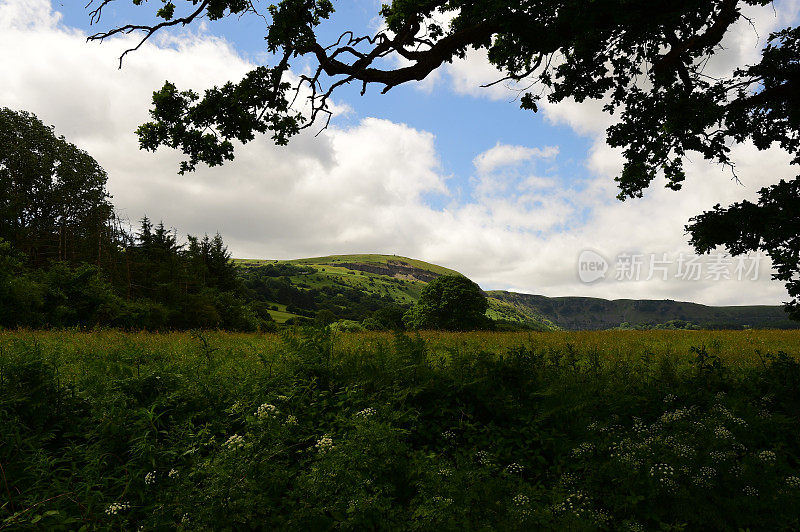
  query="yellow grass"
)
[{"x": 738, "y": 348}]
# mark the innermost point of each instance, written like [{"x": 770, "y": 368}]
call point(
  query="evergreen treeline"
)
[{"x": 66, "y": 259}]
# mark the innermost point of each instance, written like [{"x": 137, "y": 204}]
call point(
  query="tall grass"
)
[{"x": 612, "y": 430}]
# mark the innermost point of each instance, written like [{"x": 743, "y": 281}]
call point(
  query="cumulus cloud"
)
[{"x": 368, "y": 187}]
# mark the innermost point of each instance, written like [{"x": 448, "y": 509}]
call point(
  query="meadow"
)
[{"x": 307, "y": 429}]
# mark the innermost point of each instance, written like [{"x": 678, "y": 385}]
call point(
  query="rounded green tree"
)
[{"x": 450, "y": 302}]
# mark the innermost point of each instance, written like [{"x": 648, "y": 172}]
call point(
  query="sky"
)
[{"x": 441, "y": 170}]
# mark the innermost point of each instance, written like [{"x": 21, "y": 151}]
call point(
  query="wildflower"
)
[
  {"x": 291, "y": 420},
  {"x": 676, "y": 415},
  {"x": 722, "y": 433},
  {"x": 324, "y": 444},
  {"x": 445, "y": 471},
  {"x": 367, "y": 412},
  {"x": 793, "y": 482},
  {"x": 669, "y": 398},
  {"x": 116, "y": 507},
  {"x": 768, "y": 457},
  {"x": 705, "y": 476},
  {"x": 150, "y": 478},
  {"x": 584, "y": 449},
  {"x": 750, "y": 491},
  {"x": 445, "y": 501},
  {"x": 483, "y": 458},
  {"x": 664, "y": 474},
  {"x": 568, "y": 479},
  {"x": 521, "y": 500},
  {"x": 173, "y": 473},
  {"x": 449, "y": 435},
  {"x": 234, "y": 442},
  {"x": 282, "y": 398},
  {"x": 266, "y": 411},
  {"x": 514, "y": 468}
]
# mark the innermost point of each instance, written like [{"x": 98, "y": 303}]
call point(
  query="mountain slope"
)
[{"x": 587, "y": 313}]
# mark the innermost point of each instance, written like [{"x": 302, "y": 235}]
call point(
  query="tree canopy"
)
[
  {"x": 450, "y": 302},
  {"x": 644, "y": 59}
]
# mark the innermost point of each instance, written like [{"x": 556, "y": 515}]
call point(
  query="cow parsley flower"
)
[
  {"x": 767, "y": 457},
  {"x": 116, "y": 507},
  {"x": 173, "y": 473},
  {"x": 324, "y": 444},
  {"x": 514, "y": 468},
  {"x": 367, "y": 412},
  {"x": 150, "y": 478},
  {"x": 266, "y": 411},
  {"x": 234, "y": 443}
]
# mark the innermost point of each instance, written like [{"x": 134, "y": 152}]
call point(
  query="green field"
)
[{"x": 614, "y": 430}]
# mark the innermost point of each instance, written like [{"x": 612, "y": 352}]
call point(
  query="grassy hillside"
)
[
  {"x": 387, "y": 279},
  {"x": 353, "y": 286}
]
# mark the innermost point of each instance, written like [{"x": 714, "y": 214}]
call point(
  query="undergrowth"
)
[{"x": 393, "y": 436}]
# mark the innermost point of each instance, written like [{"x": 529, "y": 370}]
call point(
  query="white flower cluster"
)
[
  {"x": 584, "y": 449},
  {"x": 324, "y": 444},
  {"x": 234, "y": 443},
  {"x": 682, "y": 450},
  {"x": 750, "y": 491},
  {"x": 514, "y": 468},
  {"x": 676, "y": 415},
  {"x": 669, "y": 398},
  {"x": 266, "y": 411},
  {"x": 367, "y": 412},
  {"x": 444, "y": 501},
  {"x": 483, "y": 458},
  {"x": 763, "y": 413},
  {"x": 449, "y": 435},
  {"x": 665, "y": 474},
  {"x": 624, "y": 451},
  {"x": 568, "y": 480},
  {"x": 736, "y": 470},
  {"x": 722, "y": 433},
  {"x": 445, "y": 471},
  {"x": 173, "y": 473},
  {"x": 705, "y": 477},
  {"x": 522, "y": 505},
  {"x": 793, "y": 482},
  {"x": 150, "y": 478},
  {"x": 521, "y": 500},
  {"x": 116, "y": 507},
  {"x": 721, "y": 456},
  {"x": 291, "y": 420},
  {"x": 662, "y": 471},
  {"x": 768, "y": 457},
  {"x": 575, "y": 503}
]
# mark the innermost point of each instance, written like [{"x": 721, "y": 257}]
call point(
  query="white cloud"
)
[{"x": 365, "y": 188}]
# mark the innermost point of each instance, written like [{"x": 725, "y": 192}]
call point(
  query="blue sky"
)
[
  {"x": 465, "y": 126},
  {"x": 443, "y": 171}
]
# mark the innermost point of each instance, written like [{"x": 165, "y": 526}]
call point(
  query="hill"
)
[
  {"x": 355, "y": 287},
  {"x": 348, "y": 286}
]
